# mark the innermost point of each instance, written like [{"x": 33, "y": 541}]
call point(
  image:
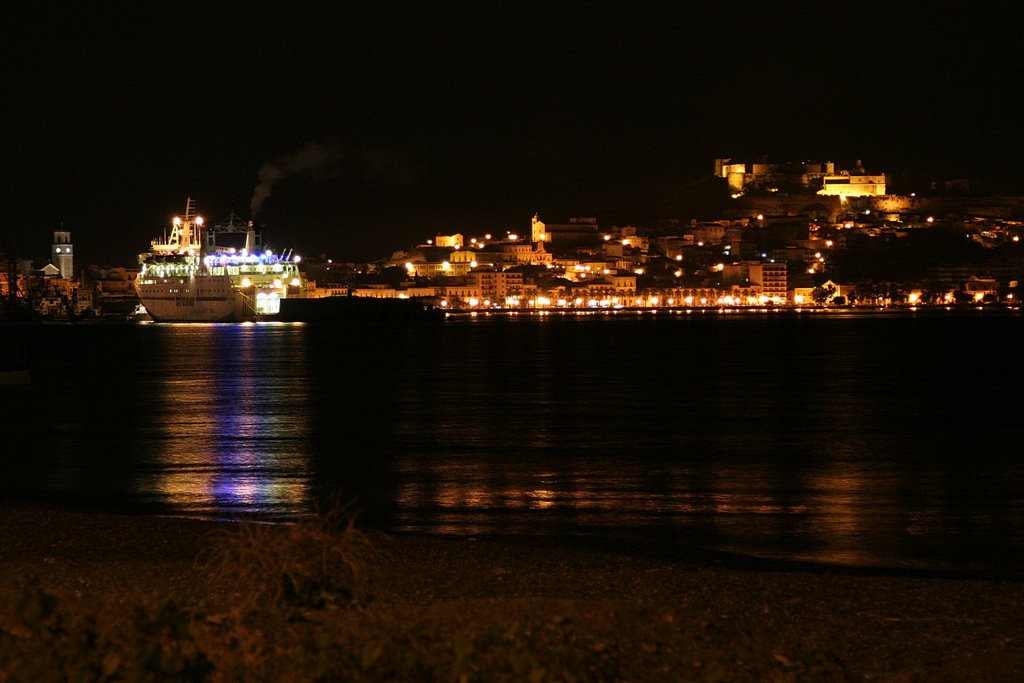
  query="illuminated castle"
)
[{"x": 821, "y": 177}]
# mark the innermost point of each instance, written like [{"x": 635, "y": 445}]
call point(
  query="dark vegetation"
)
[{"x": 129, "y": 599}]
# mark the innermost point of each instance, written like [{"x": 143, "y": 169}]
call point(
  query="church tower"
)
[
  {"x": 62, "y": 254},
  {"x": 537, "y": 231}
]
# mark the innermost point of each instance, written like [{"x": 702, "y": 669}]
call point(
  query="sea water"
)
[{"x": 860, "y": 439}]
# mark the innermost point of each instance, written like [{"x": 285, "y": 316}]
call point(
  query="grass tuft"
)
[{"x": 313, "y": 563}]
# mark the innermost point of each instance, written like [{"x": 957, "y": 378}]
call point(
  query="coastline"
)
[
  {"x": 650, "y": 614},
  {"x": 649, "y": 311}
]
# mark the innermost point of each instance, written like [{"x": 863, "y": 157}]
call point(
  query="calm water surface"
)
[{"x": 853, "y": 439}]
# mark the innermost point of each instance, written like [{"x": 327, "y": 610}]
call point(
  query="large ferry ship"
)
[{"x": 185, "y": 279}]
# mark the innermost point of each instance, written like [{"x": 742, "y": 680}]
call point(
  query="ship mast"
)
[
  {"x": 182, "y": 238},
  {"x": 189, "y": 237},
  {"x": 185, "y": 233}
]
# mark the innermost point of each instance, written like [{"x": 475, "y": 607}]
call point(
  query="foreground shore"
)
[{"x": 511, "y": 609}]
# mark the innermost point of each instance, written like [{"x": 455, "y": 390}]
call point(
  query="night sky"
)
[{"x": 377, "y": 127}]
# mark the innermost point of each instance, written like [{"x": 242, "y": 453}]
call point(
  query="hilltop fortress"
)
[{"x": 824, "y": 190}]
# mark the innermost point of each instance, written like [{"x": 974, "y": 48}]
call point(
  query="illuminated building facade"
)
[
  {"x": 851, "y": 185},
  {"x": 772, "y": 279},
  {"x": 496, "y": 285},
  {"x": 450, "y": 241},
  {"x": 764, "y": 280},
  {"x": 743, "y": 175}
]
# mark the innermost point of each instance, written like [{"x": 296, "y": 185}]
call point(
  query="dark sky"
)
[{"x": 386, "y": 125}]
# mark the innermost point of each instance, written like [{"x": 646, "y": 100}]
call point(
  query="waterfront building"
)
[
  {"x": 771, "y": 278},
  {"x": 977, "y": 288},
  {"x": 496, "y": 285},
  {"x": 760, "y": 279},
  {"x": 459, "y": 296}
]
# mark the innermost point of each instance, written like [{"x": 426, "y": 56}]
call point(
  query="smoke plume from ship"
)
[
  {"x": 333, "y": 163},
  {"x": 311, "y": 159}
]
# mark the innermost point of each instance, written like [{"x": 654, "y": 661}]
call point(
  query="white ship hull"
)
[
  {"x": 209, "y": 298},
  {"x": 181, "y": 282}
]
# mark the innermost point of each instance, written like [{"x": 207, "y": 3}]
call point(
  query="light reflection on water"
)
[
  {"x": 806, "y": 438},
  {"x": 231, "y": 438}
]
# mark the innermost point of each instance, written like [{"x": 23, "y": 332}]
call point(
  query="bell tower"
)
[{"x": 62, "y": 254}]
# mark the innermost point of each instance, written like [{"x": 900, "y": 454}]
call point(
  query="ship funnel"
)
[{"x": 250, "y": 239}]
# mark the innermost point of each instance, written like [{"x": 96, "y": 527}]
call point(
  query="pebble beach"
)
[{"x": 598, "y": 611}]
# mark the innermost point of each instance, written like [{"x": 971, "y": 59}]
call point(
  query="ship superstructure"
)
[{"x": 183, "y": 280}]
